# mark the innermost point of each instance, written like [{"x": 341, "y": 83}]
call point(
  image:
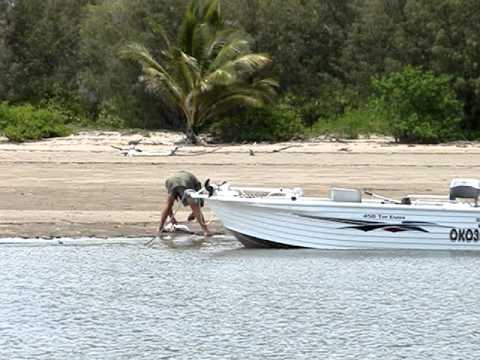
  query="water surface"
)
[{"x": 219, "y": 301}]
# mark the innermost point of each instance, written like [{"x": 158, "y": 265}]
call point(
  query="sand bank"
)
[{"x": 82, "y": 185}]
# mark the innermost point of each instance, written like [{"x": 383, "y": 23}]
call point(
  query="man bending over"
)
[{"x": 180, "y": 187}]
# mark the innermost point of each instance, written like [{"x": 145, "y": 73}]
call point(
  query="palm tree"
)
[{"x": 210, "y": 70}]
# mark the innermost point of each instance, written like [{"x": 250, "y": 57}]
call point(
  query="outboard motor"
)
[
  {"x": 209, "y": 188},
  {"x": 465, "y": 189}
]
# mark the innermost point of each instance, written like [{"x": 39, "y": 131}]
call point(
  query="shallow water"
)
[{"x": 219, "y": 301}]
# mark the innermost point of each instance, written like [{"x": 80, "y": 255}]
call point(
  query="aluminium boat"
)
[{"x": 285, "y": 218}]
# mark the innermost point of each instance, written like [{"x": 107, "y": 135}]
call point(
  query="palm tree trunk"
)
[{"x": 192, "y": 138}]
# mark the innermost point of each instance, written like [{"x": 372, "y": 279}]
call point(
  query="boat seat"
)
[{"x": 345, "y": 195}]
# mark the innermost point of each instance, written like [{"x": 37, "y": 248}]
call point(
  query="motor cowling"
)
[{"x": 465, "y": 189}]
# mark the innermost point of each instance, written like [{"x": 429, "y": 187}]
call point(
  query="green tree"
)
[
  {"x": 304, "y": 37},
  {"x": 436, "y": 35},
  {"x": 456, "y": 51},
  {"x": 106, "y": 80},
  {"x": 419, "y": 106},
  {"x": 209, "y": 70},
  {"x": 5, "y": 7},
  {"x": 372, "y": 45},
  {"x": 42, "y": 40}
]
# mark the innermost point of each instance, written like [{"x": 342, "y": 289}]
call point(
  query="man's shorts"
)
[{"x": 185, "y": 194}]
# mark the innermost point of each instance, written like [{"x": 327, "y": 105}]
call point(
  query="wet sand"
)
[{"x": 82, "y": 186}]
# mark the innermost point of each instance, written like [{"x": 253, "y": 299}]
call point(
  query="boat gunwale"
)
[{"x": 325, "y": 202}]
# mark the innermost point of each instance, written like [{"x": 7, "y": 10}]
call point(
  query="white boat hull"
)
[{"x": 330, "y": 225}]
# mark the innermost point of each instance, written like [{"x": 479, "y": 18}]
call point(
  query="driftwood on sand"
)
[{"x": 133, "y": 151}]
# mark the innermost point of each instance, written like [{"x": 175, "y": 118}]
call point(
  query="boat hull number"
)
[{"x": 465, "y": 235}]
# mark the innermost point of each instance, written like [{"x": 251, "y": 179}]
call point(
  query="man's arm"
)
[
  {"x": 197, "y": 212},
  {"x": 167, "y": 211}
]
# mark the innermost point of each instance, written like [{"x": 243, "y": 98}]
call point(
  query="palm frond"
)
[
  {"x": 266, "y": 87},
  {"x": 248, "y": 65},
  {"x": 227, "y": 103},
  {"x": 140, "y": 54},
  {"x": 188, "y": 70},
  {"x": 156, "y": 82},
  {"x": 229, "y": 52},
  {"x": 156, "y": 85},
  {"x": 201, "y": 17},
  {"x": 210, "y": 70},
  {"x": 212, "y": 13},
  {"x": 192, "y": 64},
  {"x": 155, "y": 75},
  {"x": 221, "y": 38},
  {"x": 202, "y": 37},
  {"x": 160, "y": 31},
  {"x": 222, "y": 98},
  {"x": 183, "y": 75},
  {"x": 219, "y": 78},
  {"x": 186, "y": 33},
  {"x": 239, "y": 70}
]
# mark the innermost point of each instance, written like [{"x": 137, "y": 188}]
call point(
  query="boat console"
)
[{"x": 345, "y": 195}]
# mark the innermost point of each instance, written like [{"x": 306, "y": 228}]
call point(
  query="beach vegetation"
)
[
  {"x": 208, "y": 71},
  {"x": 418, "y": 106},
  {"x": 276, "y": 122},
  {"x": 353, "y": 123},
  {"x": 26, "y": 122},
  {"x": 4, "y": 114},
  {"x": 324, "y": 54}
]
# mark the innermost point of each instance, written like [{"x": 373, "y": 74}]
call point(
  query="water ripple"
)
[{"x": 218, "y": 301}]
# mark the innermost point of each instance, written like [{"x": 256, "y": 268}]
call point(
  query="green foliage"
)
[
  {"x": 105, "y": 84},
  {"x": 4, "y": 114},
  {"x": 109, "y": 118},
  {"x": 418, "y": 106},
  {"x": 435, "y": 35},
  {"x": 305, "y": 37},
  {"x": 329, "y": 103},
  {"x": 26, "y": 122},
  {"x": 279, "y": 122},
  {"x": 209, "y": 71},
  {"x": 363, "y": 121},
  {"x": 4, "y": 49},
  {"x": 43, "y": 40},
  {"x": 326, "y": 52},
  {"x": 312, "y": 109}
]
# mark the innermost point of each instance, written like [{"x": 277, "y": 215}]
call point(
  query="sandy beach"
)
[{"x": 83, "y": 185}]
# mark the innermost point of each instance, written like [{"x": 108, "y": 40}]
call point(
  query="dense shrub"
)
[
  {"x": 352, "y": 124},
  {"x": 310, "y": 109},
  {"x": 419, "y": 106},
  {"x": 26, "y": 122},
  {"x": 4, "y": 109},
  {"x": 108, "y": 117},
  {"x": 329, "y": 101},
  {"x": 278, "y": 122}
]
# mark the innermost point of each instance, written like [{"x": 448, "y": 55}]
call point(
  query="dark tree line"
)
[{"x": 325, "y": 52}]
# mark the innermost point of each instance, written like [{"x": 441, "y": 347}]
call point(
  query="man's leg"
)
[
  {"x": 167, "y": 211},
  {"x": 197, "y": 212}
]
